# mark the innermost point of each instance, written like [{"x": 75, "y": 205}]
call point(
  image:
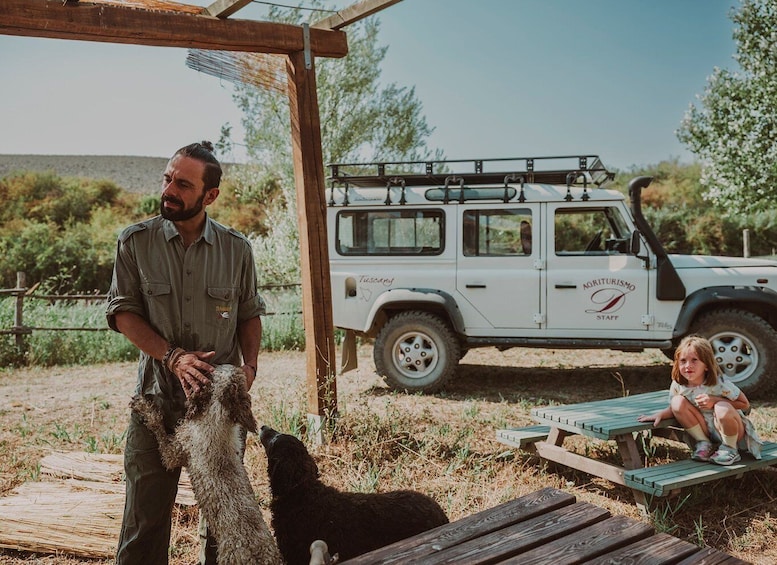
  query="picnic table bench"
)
[
  {"x": 616, "y": 419},
  {"x": 546, "y": 526}
]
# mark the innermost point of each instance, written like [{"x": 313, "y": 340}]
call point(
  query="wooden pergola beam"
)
[
  {"x": 120, "y": 24},
  {"x": 225, "y": 8},
  {"x": 314, "y": 251},
  {"x": 353, "y": 13}
]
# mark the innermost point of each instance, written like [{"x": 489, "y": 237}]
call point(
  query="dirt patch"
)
[{"x": 442, "y": 444}]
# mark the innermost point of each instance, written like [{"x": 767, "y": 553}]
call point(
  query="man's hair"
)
[
  {"x": 203, "y": 152},
  {"x": 703, "y": 349}
]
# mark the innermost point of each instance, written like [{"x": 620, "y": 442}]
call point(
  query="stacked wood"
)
[
  {"x": 53, "y": 517},
  {"x": 76, "y": 508}
]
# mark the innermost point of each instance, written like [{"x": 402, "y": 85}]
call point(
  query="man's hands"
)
[{"x": 192, "y": 369}]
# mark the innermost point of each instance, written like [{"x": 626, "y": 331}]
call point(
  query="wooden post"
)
[
  {"x": 314, "y": 254},
  {"x": 18, "y": 321}
]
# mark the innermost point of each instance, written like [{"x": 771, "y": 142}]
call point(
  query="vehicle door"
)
[
  {"x": 496, "y": 271},
  {"x": 594, "y": 283}
]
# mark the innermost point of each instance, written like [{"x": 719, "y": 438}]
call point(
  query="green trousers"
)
[{"x": 151, "y": 491}]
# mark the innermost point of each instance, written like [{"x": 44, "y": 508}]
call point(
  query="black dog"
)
[{"x": 304, "y": 509}]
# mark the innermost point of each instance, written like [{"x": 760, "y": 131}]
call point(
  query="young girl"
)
[{"x": 709, "y": 407}]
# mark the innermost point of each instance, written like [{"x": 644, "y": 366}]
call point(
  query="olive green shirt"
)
[{"x": 195, "y": 298}]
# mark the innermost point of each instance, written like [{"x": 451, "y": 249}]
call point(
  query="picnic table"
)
[
  {"x": 615, "y": 419},
  {"x": 546, "y": 526}
]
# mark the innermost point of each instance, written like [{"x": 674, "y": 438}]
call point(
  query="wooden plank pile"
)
[{"x": 75, "y": 508}]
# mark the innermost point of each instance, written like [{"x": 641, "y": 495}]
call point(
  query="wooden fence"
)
[{"x": 22, "y": 293}]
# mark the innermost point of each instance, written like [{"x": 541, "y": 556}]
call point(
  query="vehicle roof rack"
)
[{"x": 561, "y": 170}]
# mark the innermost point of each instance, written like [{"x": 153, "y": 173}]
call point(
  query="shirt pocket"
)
[
  {"x": 158, "y": 297},
  {"x": 222, "y": 293},
  {"x": 152, "y": 290},
  {"x": 223, "y": 303}
]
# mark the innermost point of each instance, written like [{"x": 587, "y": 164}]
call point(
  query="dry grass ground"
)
[{"x": 440, "y": 444}]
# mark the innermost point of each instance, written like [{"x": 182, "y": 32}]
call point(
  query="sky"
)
[{"x": 497, "y": 79}]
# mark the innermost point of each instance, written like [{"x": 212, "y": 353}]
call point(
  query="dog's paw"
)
[
  {"x": 139, "y": 404},
  {"x": 148, "y": 411}
]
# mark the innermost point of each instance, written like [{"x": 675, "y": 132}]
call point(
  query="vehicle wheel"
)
[
  {"x": 669, "y": 353},
  {"x": 745, "y": 347},
  {"x": 416, "y": 352}
]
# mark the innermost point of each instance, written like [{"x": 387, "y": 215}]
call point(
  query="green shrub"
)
[
  {"x": 62, "y": 231},
  {"x": 282, "y": 328},
  {"x": 73, "y": 259}
]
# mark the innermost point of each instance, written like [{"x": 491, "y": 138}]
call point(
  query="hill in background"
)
[{"x": 134, "y": 174}]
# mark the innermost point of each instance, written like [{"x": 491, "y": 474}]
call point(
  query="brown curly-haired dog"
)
[
  {"x": 304, "y": 509},
  {"x": 207, "y": 442}
]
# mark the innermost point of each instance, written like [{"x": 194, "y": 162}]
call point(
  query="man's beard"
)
[{"x": 181, "y": 214}]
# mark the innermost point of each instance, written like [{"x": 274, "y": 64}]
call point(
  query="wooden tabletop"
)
[
  {"x": 606, "y": 419},
  {"x": 546, "y": 526}
]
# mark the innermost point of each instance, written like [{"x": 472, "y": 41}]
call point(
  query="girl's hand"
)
[
  {"x": 655, "y": 418},
  {"x": 705, "y": 401}
]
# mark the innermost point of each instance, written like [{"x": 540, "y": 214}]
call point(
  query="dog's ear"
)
[
  {"x": 241, "y": 413},
  {"x": 239, "y": 404}
]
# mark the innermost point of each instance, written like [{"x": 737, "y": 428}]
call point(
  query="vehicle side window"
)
[
  {"x": 394, "y": 232},
  {"x": 497, "y": 232},
  {"x": 590, "y": 231}
]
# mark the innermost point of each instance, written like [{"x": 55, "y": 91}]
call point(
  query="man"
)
[{"x": 184, "y": 292}]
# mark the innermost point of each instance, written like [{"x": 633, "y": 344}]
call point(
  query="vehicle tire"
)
[
  {"x": 416, "y": 352},
  {"x": 669, "y": 353},
  {"x": 745, "y": 347}
]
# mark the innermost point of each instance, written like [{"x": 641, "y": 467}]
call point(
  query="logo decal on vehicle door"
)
[
  {"x": 608, "y": 296},
  {"x": 368, "y": 281}
]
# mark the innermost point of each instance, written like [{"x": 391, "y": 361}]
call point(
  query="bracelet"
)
[
  {"x": 171, "y": 358},
  {"x": 168, "y": 354}
]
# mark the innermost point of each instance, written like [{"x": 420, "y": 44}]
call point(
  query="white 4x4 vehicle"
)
[{"x": 433, "y": 262}]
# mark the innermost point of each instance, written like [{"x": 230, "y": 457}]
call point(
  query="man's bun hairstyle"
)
[{"x": 203, "y": 151}]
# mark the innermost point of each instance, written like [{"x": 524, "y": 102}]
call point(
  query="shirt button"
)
[
  {"x": 188, "y": 271},
  {"x": 188, "y": 299}
]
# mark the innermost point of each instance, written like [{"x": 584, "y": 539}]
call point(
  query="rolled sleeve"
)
[
  {"x": 251, "y": 305},
  {"x": 123, "y": 295}
]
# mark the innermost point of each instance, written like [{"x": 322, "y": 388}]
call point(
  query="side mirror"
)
[{"x": 635, "y": 245}]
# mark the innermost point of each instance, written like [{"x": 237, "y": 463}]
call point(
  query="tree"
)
[
  {"x": 733, "y": 129},
  {"x": 361, "y": 119}
]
